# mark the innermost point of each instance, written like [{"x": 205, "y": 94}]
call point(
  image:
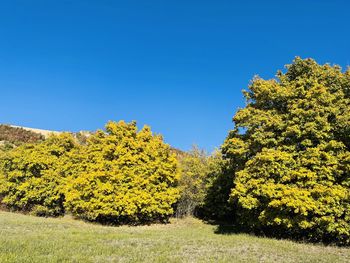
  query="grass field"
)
[{"x": 32, "y": 239}]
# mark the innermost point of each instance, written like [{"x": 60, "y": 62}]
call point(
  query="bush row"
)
[{"x": 120, "y": 175}]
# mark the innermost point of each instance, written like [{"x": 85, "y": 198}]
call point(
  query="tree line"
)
[{"x": 283, "y": 170}]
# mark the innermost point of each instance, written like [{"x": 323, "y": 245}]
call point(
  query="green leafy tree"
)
[
  {"x": 218, "y": 190},
  {"x": 289, "y": 154},
  {"x": 192, "y": 182},
  {"x": 122, "y": 175},
  {"x": 204, "y": 186},
  {"x": 30, "y": 177}
]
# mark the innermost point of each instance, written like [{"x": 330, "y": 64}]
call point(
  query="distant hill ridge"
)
[
  {"x": 44, "y": 133},
  {"x": 19, "y": 134},
  {"x": 16, "y": 135},
  {"x": 13, "y": 135}
]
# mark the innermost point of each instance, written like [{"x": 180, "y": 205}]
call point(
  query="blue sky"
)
[{"x": 179, "y": 66}]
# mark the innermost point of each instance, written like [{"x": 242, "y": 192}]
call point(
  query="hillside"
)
[
  {"x": 32, "y": 239},
  {"x": 15, "y": 135},
  {"x": 44, "y": 133}
]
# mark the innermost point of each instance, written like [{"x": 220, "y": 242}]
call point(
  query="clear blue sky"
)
[{"x": 178, "y": 66}]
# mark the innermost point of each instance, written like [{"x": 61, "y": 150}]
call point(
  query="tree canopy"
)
[
  {"x": 123, "y": 175},
  {"x": 120, "y": 175},
  {"x": 31, "y": 178},
  {"x": 290, "y": 153},
  {"x": 283, "y": 170}
]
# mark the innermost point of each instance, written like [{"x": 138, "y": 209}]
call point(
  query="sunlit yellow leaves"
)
[
  {"x": 291, "y": 145},
  {"x": 120, "y": 175},
  {"x": 123, "y": 176},
  {"x": 31, "y": 179}
]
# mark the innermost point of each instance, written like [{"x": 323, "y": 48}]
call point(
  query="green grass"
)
[{"x": 32, "y": 239}]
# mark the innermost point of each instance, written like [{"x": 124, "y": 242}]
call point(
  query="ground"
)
[{"x": 31, "y": 239}]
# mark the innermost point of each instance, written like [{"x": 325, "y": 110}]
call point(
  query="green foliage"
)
[
  {"x": 30, "y": 178},
  {"x": 204, "y": 186},
  {"x": 197, "y": 168},
  {"x": 289, "y": 154},
  {"x": 122, "y": 176},
  {"x": 218, "y": 190}
]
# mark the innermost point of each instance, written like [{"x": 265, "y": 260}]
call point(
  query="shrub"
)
[
  {"x": 30, "y": 178},
  {"x": 290, "y": 147},
  {"x": 215, "y": 205},
  {"x": 192, "y": 182},
  {"x": 123, "y": 176},
  {"x": 198, "y": 171}
]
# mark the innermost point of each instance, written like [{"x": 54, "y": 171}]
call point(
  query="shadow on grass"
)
[
  {"x": 232, "y": 229},
  {"x": 223, "y": 229},
  {"x": 227, "y": 227}
]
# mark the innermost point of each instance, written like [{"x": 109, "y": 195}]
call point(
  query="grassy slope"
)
[{"x": 31, "y": 239}]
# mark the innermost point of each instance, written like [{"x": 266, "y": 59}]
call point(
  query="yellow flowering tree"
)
[
  {"x": 290, "y": 154},
  {"x": 122, "y": 175},
  {"x": 30, "y": 176}
]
